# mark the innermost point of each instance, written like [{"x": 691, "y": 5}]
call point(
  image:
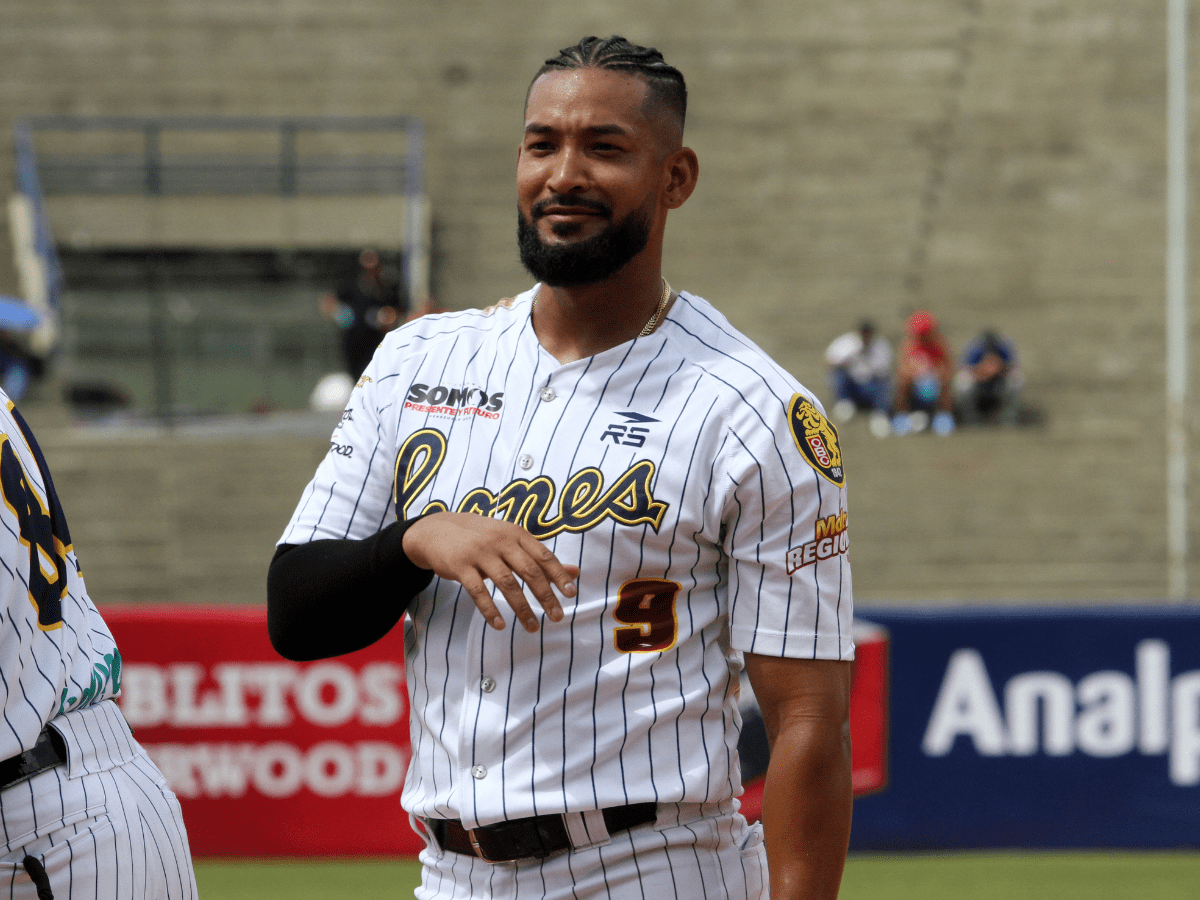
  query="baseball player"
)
[
  {"x": 612, "y": 468},
  {"x": 84, "y": 811}
]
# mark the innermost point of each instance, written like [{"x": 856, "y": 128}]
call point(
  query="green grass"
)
[
  {"x": 1023, "y": 876},
  {"x": 359, "y": 879},
  {"x": 959, "y": 876}
]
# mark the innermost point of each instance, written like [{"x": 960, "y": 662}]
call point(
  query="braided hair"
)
[{"x": 665, "y": 84}]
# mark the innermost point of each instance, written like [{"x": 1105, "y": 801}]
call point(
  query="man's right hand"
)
[{"x": 470, "y": 549}]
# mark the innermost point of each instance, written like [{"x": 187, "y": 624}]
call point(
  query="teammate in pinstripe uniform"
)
[
  {"x": 658, "y": 504},
  {"x": 83, "y": 810}
]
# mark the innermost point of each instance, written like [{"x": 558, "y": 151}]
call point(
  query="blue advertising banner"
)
[{"x": 1049, "y": 728}]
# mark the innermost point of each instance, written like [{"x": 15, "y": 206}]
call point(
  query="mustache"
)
[{"x": 539, "y": 209}]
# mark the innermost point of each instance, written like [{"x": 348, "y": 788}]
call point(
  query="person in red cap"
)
[{"x": 924, "y": 368}]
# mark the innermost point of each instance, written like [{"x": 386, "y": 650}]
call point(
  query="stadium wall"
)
[
  {"x": 972, "y": 729},
  {"x": 1047, "y": 728},
  {"x": 1000, "y": 163}
]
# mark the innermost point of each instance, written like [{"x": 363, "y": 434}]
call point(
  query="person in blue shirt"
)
[{"x": 988, "y": 381}]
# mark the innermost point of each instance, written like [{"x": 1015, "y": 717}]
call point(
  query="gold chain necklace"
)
[
  {"x": 650, "y": 325},
  {"x": 662, "y": 304}
]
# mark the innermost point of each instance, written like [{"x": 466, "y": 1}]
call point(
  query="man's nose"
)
[{"x": 570, "y": 173}]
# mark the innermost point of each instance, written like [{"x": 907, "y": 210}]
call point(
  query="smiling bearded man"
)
[
  {"x": 616, "y": 468},
  {"x": 581, "y": 262}
]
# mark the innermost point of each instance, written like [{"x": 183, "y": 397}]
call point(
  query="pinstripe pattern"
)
[
  {"x": 105, "y": 824},
  {"x": 574, "y": 721},
  {"x": 706, "y": 853},
  {"x": 51, "y": 662}
]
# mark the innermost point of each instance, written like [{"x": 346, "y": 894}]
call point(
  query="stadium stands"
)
[{"x": 1000, "y": 164}]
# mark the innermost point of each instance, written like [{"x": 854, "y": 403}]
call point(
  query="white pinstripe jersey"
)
[
  {"x": 56, "y": 653},
  {"x": 699, "y": 490}
]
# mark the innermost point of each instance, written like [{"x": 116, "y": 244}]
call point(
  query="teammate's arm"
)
[
  {"x": 472, "y": 549},
  {"x": 808, "y": 796}
]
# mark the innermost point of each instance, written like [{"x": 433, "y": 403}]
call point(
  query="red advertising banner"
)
[
  {"x": 268, "y": 757},
  {"x": 869, "y": 708},
  {"x": 275, "y": 758}
]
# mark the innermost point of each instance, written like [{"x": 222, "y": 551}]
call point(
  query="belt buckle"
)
[{"x": 476, "y": 847}]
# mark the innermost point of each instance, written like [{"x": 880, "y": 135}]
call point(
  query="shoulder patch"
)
[
  {"x": 506, "y": 303},
  {"x": 816, "y": 439}
]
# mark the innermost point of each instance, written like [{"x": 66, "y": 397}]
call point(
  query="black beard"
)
[{"x": 586, "y": 261}]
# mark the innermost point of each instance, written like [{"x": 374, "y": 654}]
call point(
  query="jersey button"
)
[
  {"x": 526, "y": 461},
  {"x": 478, "y": 772},
  {"x": 548, "y": 394},
  {"x": 488, "y": 684}
]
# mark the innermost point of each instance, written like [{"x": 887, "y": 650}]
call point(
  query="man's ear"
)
[{"x": 682, "y": 170}]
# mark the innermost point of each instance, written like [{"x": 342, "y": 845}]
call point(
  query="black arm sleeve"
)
[{"x": 330, "y": 597}]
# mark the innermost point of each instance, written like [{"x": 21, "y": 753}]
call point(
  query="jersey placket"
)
[
  {"x": 529, "y": 458},
  {"x": 492, "y": 674},
  {"x": 485, "y": 686},
  {"x": 550, "y": 433}
]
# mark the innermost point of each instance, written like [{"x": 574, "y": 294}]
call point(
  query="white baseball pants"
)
[
  {"x": 103, "y": 825},
  {"x": 701, "y": 851}
]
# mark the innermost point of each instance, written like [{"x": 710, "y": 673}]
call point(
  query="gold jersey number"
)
[
  {"x": 42, "y": 531},
  {"x": 647, "y": 613}
]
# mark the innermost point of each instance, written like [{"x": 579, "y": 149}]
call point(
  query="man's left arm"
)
[{"x": 809, "y": 792}]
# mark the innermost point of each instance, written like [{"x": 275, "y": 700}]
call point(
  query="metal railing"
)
[
  {"x": 168, "y": 156},
  {"x": 153, "y": 168},
  {"x": 28, "y": 184}
]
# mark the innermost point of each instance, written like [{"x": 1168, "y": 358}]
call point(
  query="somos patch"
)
[{"x": 816, "y": 439}]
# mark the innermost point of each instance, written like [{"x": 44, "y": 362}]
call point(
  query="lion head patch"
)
[{"x": 816, "y": 439}]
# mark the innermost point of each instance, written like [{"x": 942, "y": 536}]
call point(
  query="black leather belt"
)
[
  {"x": 49, "y": 751},
  {"x": 535, "y": 837}
]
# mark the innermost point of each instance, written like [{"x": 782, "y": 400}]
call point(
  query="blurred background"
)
[
  {"x": 208, "y": 170},
  {"x": 1001, "y": 165},
  {"x": 191, "y": 184}
]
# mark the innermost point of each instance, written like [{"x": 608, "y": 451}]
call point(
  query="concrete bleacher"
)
[{"x": 1001, "y": 164}]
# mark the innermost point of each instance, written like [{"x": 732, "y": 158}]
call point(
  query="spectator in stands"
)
[
  {"x": 18, "y": 366},
  {"x": 860, "y": 365},
  {"x": 365, "y": 308},
  {"x": 989, "y": 380},
  {"x": 924, "y": 369}
]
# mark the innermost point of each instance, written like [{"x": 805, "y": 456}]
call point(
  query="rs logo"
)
[
  {"x": 634, "y": 436},
  {"x": 627, "y": 434}
]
